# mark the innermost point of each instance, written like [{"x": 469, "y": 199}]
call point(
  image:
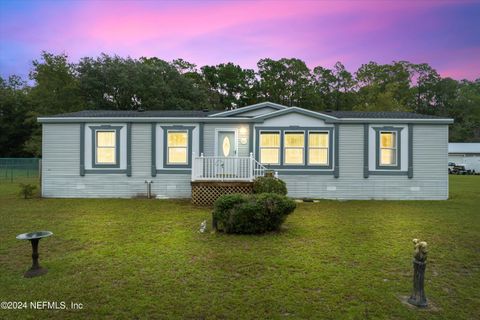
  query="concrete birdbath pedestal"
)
[{"x": 34, "y": 238}]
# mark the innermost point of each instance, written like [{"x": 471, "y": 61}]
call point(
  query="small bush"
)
[
  {"x": 27, "y": 190},
  {"x": 251, "y": 214},
  {"x": 269, "y": 185}
]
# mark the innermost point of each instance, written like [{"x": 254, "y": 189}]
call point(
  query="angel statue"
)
[{"x": 419, "y": 264}]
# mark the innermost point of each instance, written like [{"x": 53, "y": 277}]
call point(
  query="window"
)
[
  {"x": 388, "y": 148},
  {"x": 106, "y": 147},
  {"x": 177, "y": 147},
  {"x": 318, "y": 148},
  {"x": 269, "y": 147},
  {"x": 294, "y": 147}
]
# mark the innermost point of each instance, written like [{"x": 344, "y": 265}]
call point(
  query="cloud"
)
[{"x": 319, "y": 32}]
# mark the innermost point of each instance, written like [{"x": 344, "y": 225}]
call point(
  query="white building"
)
[{"x": 467, "y": 154}]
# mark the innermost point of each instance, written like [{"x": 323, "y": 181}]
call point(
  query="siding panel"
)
[
  {"x": 61, "y": 163},
  {"x": 430, "y": 177}
]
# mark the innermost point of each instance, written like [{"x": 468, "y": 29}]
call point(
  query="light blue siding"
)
[
  {"x": 61, "y": 167},
  {"x": 61, "y": 164},
  {"x": 430, "y": 178}
]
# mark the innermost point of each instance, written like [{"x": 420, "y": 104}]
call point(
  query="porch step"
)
[{"x": 205, "y": 193}]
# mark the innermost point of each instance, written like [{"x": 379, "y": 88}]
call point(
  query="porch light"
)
[{"x": 243, "y": 130}]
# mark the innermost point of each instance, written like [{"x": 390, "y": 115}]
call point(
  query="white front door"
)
[{"x": 226, "y": 151}]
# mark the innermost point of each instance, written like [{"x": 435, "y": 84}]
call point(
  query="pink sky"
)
[{"x": 444, "y": 34}]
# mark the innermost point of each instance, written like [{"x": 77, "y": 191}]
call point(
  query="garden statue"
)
[
  {"x": 203, "y": 226},
  {"x": 419, "y": 264}
]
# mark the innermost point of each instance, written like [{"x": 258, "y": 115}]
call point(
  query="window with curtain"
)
[
  {"x": 177, "y": 147},
  {"x": 294, "y": 148},
  {"x": 388, "y": 148},
  {"x": 269, "y": 147},
  {"x": 106, "y": 147},
  {"x": 318, "y": 148}
]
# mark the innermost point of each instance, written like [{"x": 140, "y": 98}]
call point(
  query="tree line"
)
[{"x": 111, "y": 82}]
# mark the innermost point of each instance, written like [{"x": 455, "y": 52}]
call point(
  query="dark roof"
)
[
  {"x": 379, "y": 115},
  {"x": 128, "y": 114},
  {"x": 202, "y": 114}
]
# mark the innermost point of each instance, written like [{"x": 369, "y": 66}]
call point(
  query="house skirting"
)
[{"x": 207, "y": 192}]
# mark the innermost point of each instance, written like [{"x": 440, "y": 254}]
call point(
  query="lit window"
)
[
  {"x": 106, "y": 147},
  {"x": 177, "y": 147},
  {"x": 269, "y": 147},
  {"x": 294, "y": 147},
  {"x": 318, "y": 148},
  {"x": 388, "y": 148}
]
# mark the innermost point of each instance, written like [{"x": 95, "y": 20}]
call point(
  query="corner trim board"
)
[
  {"x": 250, "y": 138},
  {"x": 153, "y": 149},
  {"x": 129, "y": 149},
  {"x": 82, "y": 149},
  {"x": 200, "y": 137},
  {"x": 336, "y": 148},
  {"x": 410, "y": 151},
  {"x": 365, "y": 151}
]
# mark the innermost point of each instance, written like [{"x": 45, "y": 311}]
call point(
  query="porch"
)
[
  {"x": 213, "y": 177},
  {"x": 226, "y": 169}
]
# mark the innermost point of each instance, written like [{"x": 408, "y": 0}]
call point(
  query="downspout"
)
[{"x": 149, "y": 188}]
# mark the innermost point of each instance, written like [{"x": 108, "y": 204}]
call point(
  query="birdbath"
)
[{"x": 34, "y": 238}]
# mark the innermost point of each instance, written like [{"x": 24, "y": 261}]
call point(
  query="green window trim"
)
[
  {"x": 82, "y": 149},
  {"x": 129, "y": 149},
  {"x": 410, "y": 151},
  {"x": 336, "y": 149},
  {"x": 154, "y": 149},
  {"x": 106, "y": 171},
  {"x": 94, "y": 130},
  {"x": 200, "y": 134},
  {"x": 189, "y": 130},
  {"x": 366, "y": 160},
  {"x": 282, "y": 130},
  {"x": 398, "y": 162}
]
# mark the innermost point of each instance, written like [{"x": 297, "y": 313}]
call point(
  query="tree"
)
[
  {"x": 112, "y": 82},
  {"x": 427, "y": 80},
  {"x": 335, "y": 87},
  {"x": 14, "y": 105},
  {"x": 233, "y": 85},
  {"x": 384, "y": 87},
  {"x": 56, "y": 88},
  {"x": 288, "y": 82}
]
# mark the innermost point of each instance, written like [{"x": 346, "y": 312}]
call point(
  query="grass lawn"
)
[{"x": 137, "y": 259}]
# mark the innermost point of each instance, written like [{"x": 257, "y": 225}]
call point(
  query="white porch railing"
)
[{"x": 226, "y": 168}]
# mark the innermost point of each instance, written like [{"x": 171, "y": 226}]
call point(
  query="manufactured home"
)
[{"x": 320, "y": 155}]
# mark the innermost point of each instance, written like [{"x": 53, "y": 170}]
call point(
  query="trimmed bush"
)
[
  {"x": 269, "y": 185},
  {"x": 251, "y": 214}
]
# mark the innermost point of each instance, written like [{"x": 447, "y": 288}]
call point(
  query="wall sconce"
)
[{"x": 243, "y": 130}]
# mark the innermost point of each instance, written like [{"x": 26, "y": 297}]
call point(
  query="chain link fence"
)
[{"x": 14, "y": 169}]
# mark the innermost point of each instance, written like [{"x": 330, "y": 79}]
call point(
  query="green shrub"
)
[
  {"x": 251, "y": 214},
  {"x": 27, "y": 190},
  {"x": 269, "y": 185}
]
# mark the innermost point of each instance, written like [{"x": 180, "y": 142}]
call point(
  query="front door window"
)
[{"x": 226, "y": 144}]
